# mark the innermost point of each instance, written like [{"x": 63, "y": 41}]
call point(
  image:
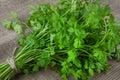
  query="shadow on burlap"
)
[{"x": 8, "y": 39}]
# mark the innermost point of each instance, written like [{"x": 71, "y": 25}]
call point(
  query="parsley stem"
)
[
  {"x": 106, "y": 33},
  {"x": 20, "y": 21},
  {"x": 84, "y": 51}
]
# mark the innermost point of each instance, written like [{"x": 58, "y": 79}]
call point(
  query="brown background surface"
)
[{"x": 8, "y": 39}]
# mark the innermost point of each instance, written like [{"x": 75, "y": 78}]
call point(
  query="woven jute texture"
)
[{"x": 8, "y": 39}]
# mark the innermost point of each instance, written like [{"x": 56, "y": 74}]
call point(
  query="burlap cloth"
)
[{"x": 8, "y": 39}]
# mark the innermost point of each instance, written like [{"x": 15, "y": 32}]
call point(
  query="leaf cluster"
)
[{"x": 79, "y": 36}]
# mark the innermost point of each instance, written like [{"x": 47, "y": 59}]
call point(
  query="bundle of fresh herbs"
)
[{"x": 79, "y": 36}]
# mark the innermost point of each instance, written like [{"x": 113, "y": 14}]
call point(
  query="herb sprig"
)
[{"x": 79, "y": 36}]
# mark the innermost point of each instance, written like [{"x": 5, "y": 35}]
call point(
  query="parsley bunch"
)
[{"x": 79, "y": 36}]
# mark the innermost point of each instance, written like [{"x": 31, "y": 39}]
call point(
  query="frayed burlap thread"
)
[{"x": 11, "y": 62}]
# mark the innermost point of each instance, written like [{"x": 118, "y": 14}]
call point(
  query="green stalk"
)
[
  {"x": 25, "y": 54},
  {"x": 21, "y": 52},
  {"x": 106, "y": 33},
  {"x": 3, "y": 73},
  {"x": 24, "y": 24}
]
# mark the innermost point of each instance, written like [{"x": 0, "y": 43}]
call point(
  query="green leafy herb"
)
[{"x": 79, "y": 36}]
